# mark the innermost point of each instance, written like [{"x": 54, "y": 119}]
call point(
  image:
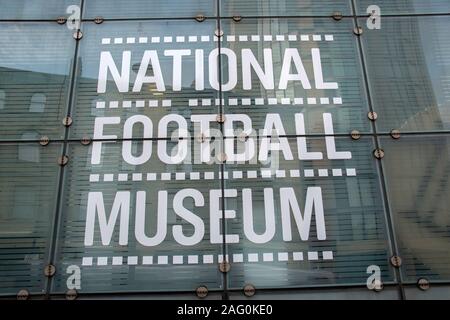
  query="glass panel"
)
[
  {"x": 306, "y": 222},
  {"x": 151, "y": 49},
  {"x": 28, "y": 184},
  {"x": 157, "y": 248},
  {"x": 283, "y": 8},
  {"x": 404, "y": 6},
  {"x": 417, "y": 173},
  {"x": 314, "y": 69},
  {"x": 112, "y": 9},
  {"x": 35, "y": 62},
  {"x": 408, "y": 73},
  {"x": 36, "y": 9}
]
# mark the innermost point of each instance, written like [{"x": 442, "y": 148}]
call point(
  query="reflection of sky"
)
[
  {"x": 43, "y": 47},
  {"x": 149, "y": 9}
]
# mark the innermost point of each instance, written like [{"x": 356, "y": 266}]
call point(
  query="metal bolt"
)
[
  {"x": 396, "y": 261},
  {"x": 224, "y": 266},
  {"x": 221, "y": 157},
  {"x": 395, "y": 134},
  {"x": 200, "y": 18},
  {"x": 358, "y": 31},
  {"x": 218, "y": 33},
  {"x": 378, "y": 153},
  {"x": 372, "y": 115},
  {"x": 85, "y": 141},
  {"x": 49, "y": 270},
  {"x": 23, "y": 294},
  {"x": 62, "y": 161},
  {"x": 220, "y": 118},
  {"x": 201, "y": 138},
  {"x": 201, "y": 291},
  {"x": 423, "y": 284},
  {"x": 44, "y": 141},
  {"x": 237, "y": 18},
  {"x": 71, "y": 294},
  {"x": 67, "y": 121},
  {"x": 61, "y": 20},
  {"x": 249, "y": 290},
  {"x": 77, "y": 35},
  {"x": 98, "y": 20},
  {"x": 337, "y": 15},
  {"x": 355, "y": 134}
]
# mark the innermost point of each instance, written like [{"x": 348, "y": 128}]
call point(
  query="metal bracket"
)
[
  {"x": 378, "y": 153},
  {"x": 224, "y": 266},
  {"x": 249, "y": 290},
  {"x": 355, "y": 134},
  {"x": 337, "y": 15},
  {"x": 358, "y": 31},
  {"x": 201, "y": 291},
  {"x": 49, "y": 270}
]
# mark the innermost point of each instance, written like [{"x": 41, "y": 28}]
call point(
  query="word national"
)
[{"x": 249, "y": 63}]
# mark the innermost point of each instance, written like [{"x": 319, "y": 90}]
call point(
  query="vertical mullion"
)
[
  {"x": 225, "y": 295},
  {"x": 392, "y": 237},
  {"x": 59, "y": 201}
]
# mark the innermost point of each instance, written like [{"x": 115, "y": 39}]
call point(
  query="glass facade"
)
[{"x": 158, "y": 147}]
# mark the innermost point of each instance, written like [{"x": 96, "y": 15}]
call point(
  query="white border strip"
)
[
  {"x": 228, "y": 38},
  {"x": 211, "y": 175},
  {"x": 205, "y": 102},
  {"x": 207, "y": 258}
]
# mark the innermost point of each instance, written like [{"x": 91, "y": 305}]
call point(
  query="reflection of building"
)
[
  {"x": 400, "y": 77},
  {"x": 407, "y": 72},
  {"x": 32, "y": 104}
]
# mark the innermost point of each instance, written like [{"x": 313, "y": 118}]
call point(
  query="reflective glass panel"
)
[
  {"x": 417, "y": 173},
  {"x": 139, "y": 227},
  {"x": 148, "y": 69},
  {"x": 35, "y": 61},
  {"x": 294, "y": 65},
  {"x": 404, "y": 6},
  {"x": 409, "y": 73},
  {"x": 28, "y": 185},
  {"x": 111, "y": 9},
  {"x": 36, "y": 9},
  {"x": 261, "y": 8},
  {"x": 296, "y": 223}
]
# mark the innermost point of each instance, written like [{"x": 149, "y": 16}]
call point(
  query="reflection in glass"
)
[
  {"x": 150, "y": 258},
  {"x": 110, "y": 9},
  {"x": 38, "y": 101},
  {"x": 36, "y": 9},
  {"x": 28, "y": 185},
  {"x": 99, "y": 54},
  {"x": 265, "y": 8},
  {"x": 29, "y": 152},
  {"x": 2, "y": 99},
  {"x": 287, "y": 66},
  {"x": 418, "y": 184},
  {"x": 404, "y": 6},
  {"x": 408, "y": 73},
  {"x": 344, "y": 235},
  {"x": 35, "y": 60}
]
